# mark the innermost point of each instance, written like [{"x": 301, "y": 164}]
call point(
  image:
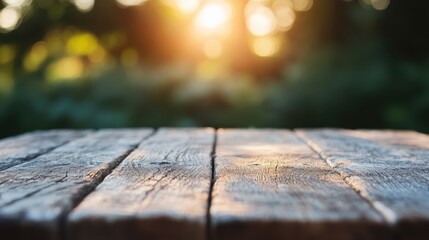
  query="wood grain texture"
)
[
  {"x": 271, "y": 185},
  {"x": 159, "y": 191},
  {"x": 25, "y": 147},
  {"x": 34, "y": 196},
  {"x": 389, "y": 168}
]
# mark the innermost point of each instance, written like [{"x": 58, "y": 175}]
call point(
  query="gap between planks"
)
[
  {"x": 79, "y": 199},
  {"x": 382, "y": 210},
  {"x": 176, "y": 163},
  {"x": 209, "y": 226},
  {"x": 212, "y": 182}
]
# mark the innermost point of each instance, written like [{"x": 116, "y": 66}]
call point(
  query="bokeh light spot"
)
[
  {"x": 261, "y": 20},
  {"x": 35, "y": 57},
  {"x": 213, "y": 15},
  {"x": 380, "y": 4},
  {"x": 17, "y": 3},
  {"x": 7, "y": 54},
  {"x": 9, "y": 18},
  {"x": 302, "y": 5},
  {"x": 98, "y": 55},
  {"x": 82, "y": 44},
  {"x": 285, "y": 18},
  {"x": 67, "y": 68},
  {"x": 130, "y": 3},
  {"x": 266, "y": 46},
  {"x": 84, "y": 5}
]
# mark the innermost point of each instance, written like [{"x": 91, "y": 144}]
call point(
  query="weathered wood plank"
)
[
  {"x": 22, "y": 148},
  {"x": 413, "y": 145},
  {"x": 159, "y": 191},
  {"x": 271, "y": 185},
  {"x": 35, "y": 195},
  {"x": 390, "y": 169}
]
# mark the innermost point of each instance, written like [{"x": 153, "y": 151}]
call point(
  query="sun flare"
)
[
  {"x": 213, "y": 15},
  {"x": 184, "y": 6}
]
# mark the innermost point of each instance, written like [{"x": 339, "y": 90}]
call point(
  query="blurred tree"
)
[{"x": 342, "y": 64}]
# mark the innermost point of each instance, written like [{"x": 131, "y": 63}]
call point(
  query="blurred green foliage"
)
[{"x": 347, "y": 66}]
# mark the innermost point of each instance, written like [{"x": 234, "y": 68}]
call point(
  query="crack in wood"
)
[{"x": 381, "y": 210}]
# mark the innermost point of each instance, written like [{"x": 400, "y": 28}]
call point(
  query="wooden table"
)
[{"x": 207, "y": 184}]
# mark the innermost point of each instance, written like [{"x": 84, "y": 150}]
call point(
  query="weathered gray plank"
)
[
  {"x": 271, "y": 185},
  {"x": 388, "y": 168},
  {"x": 413, "y": 145},
  {"x": 22, "y": 148},
  {"x": 159, "y": 191},
  {"x": 35, "y": 195}
]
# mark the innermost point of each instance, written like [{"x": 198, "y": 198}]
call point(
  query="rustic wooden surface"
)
[
  {"x": 23, "y": 148},
  {"x": 35, "y": 195},
  {"x": 271, "y": 184},
  {"x": 207, "y": 184},
  {"x": 388, "y": 169},
  {"x": 163, "y": 184}
]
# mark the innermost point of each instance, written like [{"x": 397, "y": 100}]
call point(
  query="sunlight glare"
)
[
  {"x": 213, "y": 15},
  {"x": 261, "y": 20},
  {"x": 184, "y": 6}
]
